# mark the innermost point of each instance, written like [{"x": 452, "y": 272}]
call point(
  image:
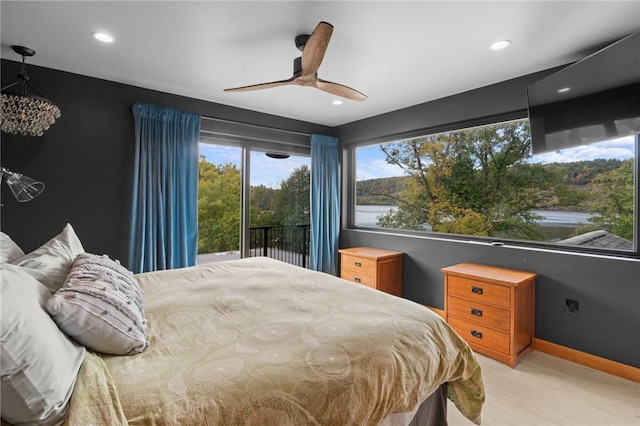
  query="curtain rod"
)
[{"x": 257, "y": 126}]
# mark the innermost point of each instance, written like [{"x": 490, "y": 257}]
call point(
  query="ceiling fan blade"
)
[
  {"x": 314, "y": 49},
  {"x": 340, "y": 90},
  {"x": 261, "y": 86}
]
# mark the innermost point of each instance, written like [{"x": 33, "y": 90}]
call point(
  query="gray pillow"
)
[
  {"x": 54, "y": 258},
  {"x": 100, "y": 306},
  {"x": 38, "y": 362}
]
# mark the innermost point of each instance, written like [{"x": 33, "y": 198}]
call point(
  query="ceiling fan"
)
[{"x": 305, "y": 67}]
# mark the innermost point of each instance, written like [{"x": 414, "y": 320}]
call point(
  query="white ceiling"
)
[{"x": 398, "y": 53}]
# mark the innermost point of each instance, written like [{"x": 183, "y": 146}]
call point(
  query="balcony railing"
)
[{"x": 289, "y": 243}]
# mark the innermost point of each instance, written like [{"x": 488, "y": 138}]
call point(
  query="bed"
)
[{"x": 260, "y": 342}]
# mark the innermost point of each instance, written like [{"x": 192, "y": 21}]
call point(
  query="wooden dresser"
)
[
  {"x": 492, "y": 309},
  {"x": 376, "y": 268}
]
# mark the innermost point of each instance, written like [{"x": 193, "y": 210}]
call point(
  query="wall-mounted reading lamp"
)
[{"x": 23, "y": 187}]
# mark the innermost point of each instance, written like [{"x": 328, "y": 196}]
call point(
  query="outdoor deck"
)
[{"x": 286, "y": 256}]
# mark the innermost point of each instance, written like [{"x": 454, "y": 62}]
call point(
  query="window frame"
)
[{"x": 350, "y": 181}]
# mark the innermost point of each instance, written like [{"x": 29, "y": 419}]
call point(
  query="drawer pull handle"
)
[
  {"x": 477, "y": 290},
  {"x": 358, "y": 264},
  {"x": 476, "y": 312},
  {"x": 357, "y": 279},
  {"x": 476, "y": 334}
]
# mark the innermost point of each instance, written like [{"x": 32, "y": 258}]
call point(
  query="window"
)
[
  {"x": 483, "y": 182},
  {"x": 277, "y": 209}
]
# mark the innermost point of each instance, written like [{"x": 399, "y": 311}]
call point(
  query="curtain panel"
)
[
  {"x": 164, "y": 221},
  {"x": 325, "y": 203}
]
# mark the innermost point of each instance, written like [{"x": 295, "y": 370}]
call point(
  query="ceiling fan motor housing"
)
[{"x": 301, "y": 41}]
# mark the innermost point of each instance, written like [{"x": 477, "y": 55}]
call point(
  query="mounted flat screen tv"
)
[{"x": 592, "y": 100}]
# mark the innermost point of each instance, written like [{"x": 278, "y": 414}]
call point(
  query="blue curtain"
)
[
  {"x": 325, "y": 203},
  {"x": 164, "y": 221}
]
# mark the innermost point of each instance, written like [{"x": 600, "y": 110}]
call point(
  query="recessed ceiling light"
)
[
  {"x": 337, "y": 102},
  {"x": 103, "y": 37},
  {"x": 500, "y": 44},
  {"x": 564, "y": 89}
]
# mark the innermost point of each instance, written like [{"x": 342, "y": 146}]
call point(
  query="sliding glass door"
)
[
  {"x": 253, "y": 203},
  {"x": 279, "y": 206}
]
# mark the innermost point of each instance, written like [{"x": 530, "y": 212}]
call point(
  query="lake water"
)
[{"x": 556, "y": 224}]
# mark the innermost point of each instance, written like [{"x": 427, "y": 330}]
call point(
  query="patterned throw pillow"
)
[{"x": 100, "y": 306}]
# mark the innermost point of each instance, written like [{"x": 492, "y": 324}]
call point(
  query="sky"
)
[
  {"x": 265, "y": 171},
  {"x": 371, "y": 162}
]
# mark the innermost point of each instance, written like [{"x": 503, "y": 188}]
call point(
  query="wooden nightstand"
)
[
  {"x": 492, "y": 309},
  {"x": 376, "y": 268}
]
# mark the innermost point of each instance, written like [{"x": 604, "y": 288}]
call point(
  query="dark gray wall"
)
[
  {"x": 607, "y": 289},
  {"x": 86, "y": 158}
]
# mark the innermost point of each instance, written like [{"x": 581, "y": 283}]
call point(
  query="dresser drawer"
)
[
  {"x": 479, "y": 291},
  {"x": 479, "y": 313},
  {"x": 357, "y": 277},
  {"x": 481, "y": 335},
  {"x": 358, "y": 264}
]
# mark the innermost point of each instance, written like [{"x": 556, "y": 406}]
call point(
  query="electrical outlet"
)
[{"x": 571, "y": 307}]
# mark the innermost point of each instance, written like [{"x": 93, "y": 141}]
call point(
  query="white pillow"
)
[
  {"x": 54, "y": 258},
  {"x": 9, "y": 250},
  {"x": 100, "y": 306},
  {"x": 38, "y": 362}
]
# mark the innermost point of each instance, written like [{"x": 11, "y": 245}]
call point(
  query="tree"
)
[
  {"x": 612, "y": 201},
  {"x": 473, "y": 182},
  {"x": 218, "y": 207},
  {"x": 263, "y": 205},
  {"x": 292, "y": 207}
]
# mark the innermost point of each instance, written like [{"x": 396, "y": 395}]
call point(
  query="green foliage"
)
[
  {"x": 478, "y": 182},
  {"x": 474, "y": 182},
  {"x": 379, "y": 192},
  {"x": 612, "y": 200},
  {"x": 580, "y": 173},
  {"x": 218, "y": 207},
  {"x": 293, "y": 201}
]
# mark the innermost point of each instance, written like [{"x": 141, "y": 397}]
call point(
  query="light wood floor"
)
[{"x": 546, "y": 391}]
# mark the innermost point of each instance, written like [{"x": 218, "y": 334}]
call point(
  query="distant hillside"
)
[
  {"x": 582, "y": 173},
  {"x": 370, "y": 191},
  {"x": 385, "y": 191}
]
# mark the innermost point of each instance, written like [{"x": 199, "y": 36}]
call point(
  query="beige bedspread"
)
[{"x": 260, "y": 342}]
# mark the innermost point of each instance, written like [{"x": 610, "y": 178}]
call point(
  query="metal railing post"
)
[
  {"x": 265, "y": 243},
  {"x": 304, "y": 246}
]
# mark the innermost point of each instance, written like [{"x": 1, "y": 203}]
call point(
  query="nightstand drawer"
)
[
  {"x": 358, "y": 264},
  {"x": 359, "y": 278},
  {"x": 480, "y": 313},
  {"x": 479, "y": 291},
  {"x": 476, "y": 334}
]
